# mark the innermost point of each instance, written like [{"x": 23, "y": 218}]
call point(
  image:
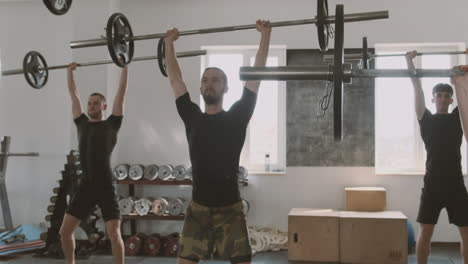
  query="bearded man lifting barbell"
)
[{"x": 215, "y": 217}]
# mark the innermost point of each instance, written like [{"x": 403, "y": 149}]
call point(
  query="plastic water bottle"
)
[{"x": 267, "y": 162}]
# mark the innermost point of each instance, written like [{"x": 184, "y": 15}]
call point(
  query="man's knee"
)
[
  {"x": 425, "y": 232},
  {"x": 113, "y": 230},
  {"x": 66, "y": 233},
  {"x": 68, "y": 226},
  {"x": 114, "y": 234}
]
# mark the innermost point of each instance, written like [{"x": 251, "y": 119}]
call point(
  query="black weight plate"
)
[
  {"x": 338, "y": 74},
  {"x": 322, "y": 25},
  {"x": 58, "y": 7},
  {"x": 118, "y": 32},
  {"x": 365, "y": 54},
  {"x": 34, "y": 65},
  {"x": 162, "y": 56}
]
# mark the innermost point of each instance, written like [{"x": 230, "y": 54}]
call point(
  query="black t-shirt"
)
[
  {"x": 442, "y": 135},
  {"x": 96, "y": 141},
  {"x": 215, "y": 144}
]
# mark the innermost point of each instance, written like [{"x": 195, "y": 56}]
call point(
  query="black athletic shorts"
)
[
  {"x": 455, "y": 201},
  {"x": 86, "y": 199}
]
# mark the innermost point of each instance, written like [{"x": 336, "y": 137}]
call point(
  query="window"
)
[
  {"x": 266, "y": 133},
  {"x": 398, "y": 143}
]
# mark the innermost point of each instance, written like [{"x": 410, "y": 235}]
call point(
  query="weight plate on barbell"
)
[
  {"x": 162, "y": 57},
  {"x": 338, "y": 74},
  {"x": 58, "y": 7},
  {"x": 365, "y": 54},
  {"x": 34, "y": 65},
  {"x": 119, "y": 43},
  {"x": 322, "y": 25}
]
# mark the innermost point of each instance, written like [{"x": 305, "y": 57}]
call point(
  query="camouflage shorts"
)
[{"x": 219, "y": 232}]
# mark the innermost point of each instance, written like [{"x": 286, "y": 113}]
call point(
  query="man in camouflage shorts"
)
[{"x": 215, "y": 221}]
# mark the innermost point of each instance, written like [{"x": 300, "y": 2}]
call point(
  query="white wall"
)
[
  {"x": 35, "y": 119},
  {"x": 152, "y": 131}
]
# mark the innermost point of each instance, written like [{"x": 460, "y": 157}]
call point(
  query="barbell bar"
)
[
  {"x": 370, "y": 56},
  {"x": 355, "y": 17},
  {"x": 35, "y": 67},
  {"x": 322, "y": 29},
  {"x": 26, "y": 154},
  {"x": 325, "y": 73},
  {"x": 85, "y": 64},
  {"x": 120, "y": 39}
]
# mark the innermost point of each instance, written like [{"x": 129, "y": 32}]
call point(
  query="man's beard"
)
[
  {"x": 211, "y": 99},
  {"x": 94, "y": 115}
]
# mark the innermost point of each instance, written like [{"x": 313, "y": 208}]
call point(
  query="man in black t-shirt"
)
[
  {"x": 96, "y": 139},
  {"x": 443, "y": 181},
  {"x": 215, "y": 222}
]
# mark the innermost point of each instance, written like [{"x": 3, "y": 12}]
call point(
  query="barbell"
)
[
  {"x": 120, "y": 39},
  {"x": 36, "y": 70},
  {"x": 365, "y": 55},
  {"x": 338, "y": 73}
]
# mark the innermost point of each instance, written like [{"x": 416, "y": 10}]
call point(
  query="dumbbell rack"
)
[{"x": 131, "y": 191}]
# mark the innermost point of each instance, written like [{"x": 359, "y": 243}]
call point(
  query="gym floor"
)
[{"x": 441, "y": 254}]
